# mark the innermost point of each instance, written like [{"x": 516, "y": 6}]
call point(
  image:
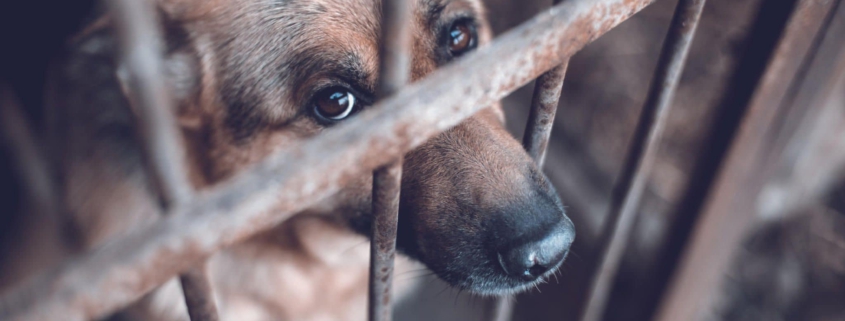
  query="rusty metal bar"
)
[
  {"x": 641, "y": 154},
  {"x": 731, "y": 201},
  {"x": 142, "y": 49},
  {"x": 294, "y": 179},
  {"x": 394, "y": 71},
  {"x": 387, "y": 183},
  {"x": 535, "y": 140},
  {"x": 542, "y": 115},
  {"x": 199, "y": 298}
]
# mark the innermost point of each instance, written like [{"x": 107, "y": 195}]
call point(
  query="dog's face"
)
[{"x": 256, "y": 75}]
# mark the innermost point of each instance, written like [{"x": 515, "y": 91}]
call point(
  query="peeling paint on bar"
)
[{"x": 101, "y": 282}]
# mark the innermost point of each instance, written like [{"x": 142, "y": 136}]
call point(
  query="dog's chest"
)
[{"x": 315, "y": 271}]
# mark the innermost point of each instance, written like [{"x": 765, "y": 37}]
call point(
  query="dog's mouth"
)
[
  {"x": 493, "y": 279},
  {"x": 474, "y": 265}
]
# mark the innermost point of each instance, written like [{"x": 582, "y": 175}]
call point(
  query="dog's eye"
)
[
  {"x": 335, "y": 104},
  {"x": 462, "y": 37}
]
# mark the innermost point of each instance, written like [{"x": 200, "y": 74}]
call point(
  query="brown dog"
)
[{"x": 252, "y": 76}]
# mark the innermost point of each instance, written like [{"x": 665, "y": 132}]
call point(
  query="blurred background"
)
[{"x": 791, "y": 265}]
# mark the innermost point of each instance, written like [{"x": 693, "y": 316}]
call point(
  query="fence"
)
[{"x": 195, "y": 224}]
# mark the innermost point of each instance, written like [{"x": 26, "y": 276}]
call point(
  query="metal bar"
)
[
  {"x": 198, "y": 294},
  {"x": 819, "y": 166},
  {"x": 731, "y": 201},
  {"x": 501, "y": 309},
  {"x": 538, "y": 129},
  {"x": 142, "y": 50},
  {"x": 542, "y": 115},
  {"x": 640, "y": 159},
  {"x": 815, "y": 157},
  {"x": 394, "y": 71},
  {"x": 764, "y": 41},
  {"x": 294, "y": 179},
  {"x": 387, "y": 183},
  {"x": 28, "y": 159},
  {"x": 808, "y": 147},
  {"x": 395, "y": 47},
  {"x": 544, "y": 103},
  {"x": 535, "y": 140}
]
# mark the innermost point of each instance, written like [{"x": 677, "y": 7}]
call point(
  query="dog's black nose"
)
[{"x": 528, "y": 261}]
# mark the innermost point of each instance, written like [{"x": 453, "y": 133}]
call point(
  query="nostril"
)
[
  {"x": 537, "y": 270},
  {"x": 531, "y": 260},
  {"x": 521, "y": 264}
]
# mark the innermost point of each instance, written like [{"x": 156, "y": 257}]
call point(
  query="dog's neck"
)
[{"x": 309, "y": 268}]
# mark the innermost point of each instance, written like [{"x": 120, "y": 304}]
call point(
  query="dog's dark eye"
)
[
  {"x": 462, "y": 37},
  {"x": 335, "y": 104}
]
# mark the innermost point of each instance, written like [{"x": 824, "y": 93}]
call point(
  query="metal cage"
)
[{"x": 196, "y": 224}]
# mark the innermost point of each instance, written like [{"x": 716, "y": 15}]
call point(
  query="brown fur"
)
[{"x": 243, "y": 74}]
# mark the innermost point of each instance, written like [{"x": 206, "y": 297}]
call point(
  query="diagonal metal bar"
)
[
  {"x": 28, "y": 158},
  {"x": 394, "y": 71},
  {"x": 142, "y": 49},
  {"x": 731, "y": 201},
  {"x": 289, "y": 181},
  {"x": 808, "y": 147},
  {"x": 641, "y": 154}
]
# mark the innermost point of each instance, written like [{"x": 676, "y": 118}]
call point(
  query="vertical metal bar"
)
[
  {"x": 500, "y": 310},
  {"x": 102, "y": 281},
  {"x": 199, "y": 297},
  {"x": 641, "y": 154},
  {"x": 732, "y": 201},
  {"x": 541, "y": 118},
  {"x": 535, "y": 140},
  {"x": 387, "y": 183},
  {"x": 542, "y": 115},
  {"x": 394, "y": 71},
  {"x": 142, "y": 49}
]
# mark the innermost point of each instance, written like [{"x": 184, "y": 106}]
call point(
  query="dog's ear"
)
[{"x": 182, "y": 68}]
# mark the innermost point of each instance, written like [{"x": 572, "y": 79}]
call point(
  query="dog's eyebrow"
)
[
  {"x": 352, "y": 68},
  {"x": 433, "y": 8},
  {"x": 346, "y": 66}
]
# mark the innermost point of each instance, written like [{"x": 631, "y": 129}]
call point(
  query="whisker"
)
[{"x": 346, "y": 251}]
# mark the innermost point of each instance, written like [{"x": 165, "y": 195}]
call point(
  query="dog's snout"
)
[
  {"x": 532, "y": 259},
  {"x": 532, "y": 235},
  {"x": 489, "y": 219}
]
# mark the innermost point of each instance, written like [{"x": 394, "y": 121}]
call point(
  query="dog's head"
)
[{"x": 255, "y": 75}]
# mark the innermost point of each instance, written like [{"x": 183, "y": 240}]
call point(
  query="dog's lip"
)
[{"x": 502, "y": 284}]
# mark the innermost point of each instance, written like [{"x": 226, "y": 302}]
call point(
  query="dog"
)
[{"x": 254, "y": 76}]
